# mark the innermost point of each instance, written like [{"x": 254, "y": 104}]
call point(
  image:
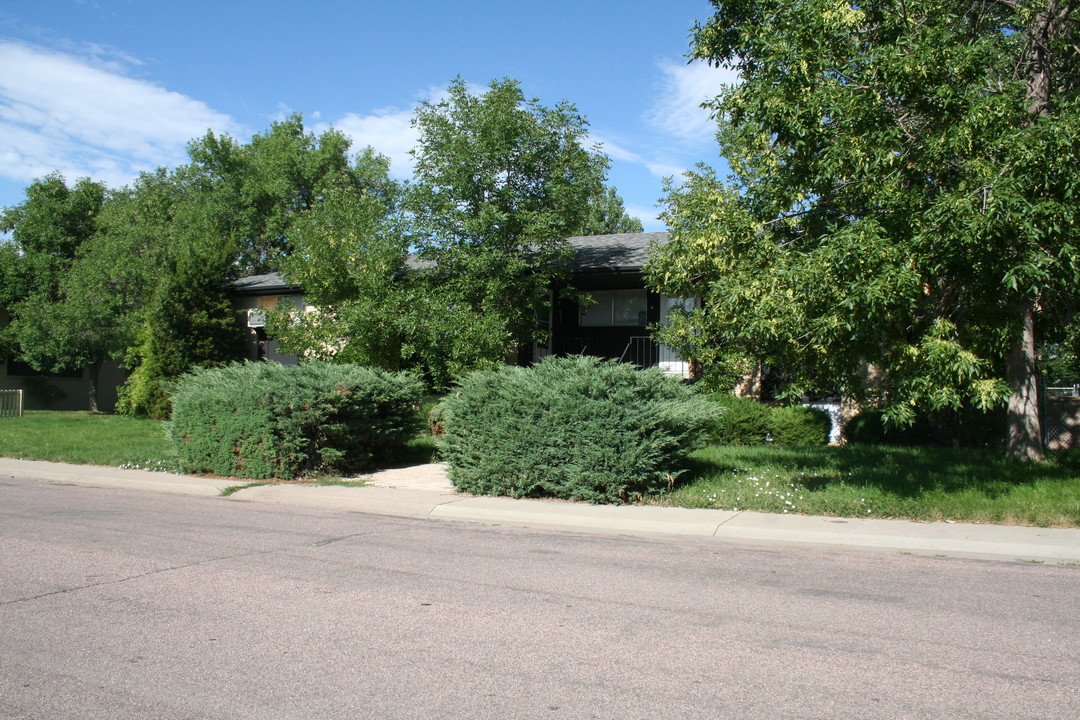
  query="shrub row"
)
[
  {"x": 966, "y": 427},
  {"x": 742, "y": 421},
  {"x": 578, "y": 428},
  {"x": 265, "y": 420}
]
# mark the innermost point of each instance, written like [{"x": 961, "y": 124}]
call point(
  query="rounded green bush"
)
[
  {"x": 799, "y": 426},
  {"x": 578, "y": 428},
  {"x": 739, "y": 421},
  {"x": 266, "y": 420}
]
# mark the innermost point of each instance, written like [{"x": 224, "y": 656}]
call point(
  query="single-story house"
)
[{"x": 607, "y": 267}]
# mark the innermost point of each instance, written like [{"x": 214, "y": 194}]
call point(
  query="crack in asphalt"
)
[{"x": 149, "y": 573}]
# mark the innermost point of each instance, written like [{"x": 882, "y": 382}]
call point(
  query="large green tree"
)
[
  {"x": 53, "y": 320},
  {"x": 259, "y": 187},
  {"x": 44, "y": 233},
  {"x": 227, "y": 213},
  {"x": 607, "y": 215},
  {"x": 500, "y": 182},
  {"x": 902, "y": 198},
  {"x": 348, "y": 253}
]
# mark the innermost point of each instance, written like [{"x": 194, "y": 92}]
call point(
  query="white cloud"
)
[
  {"x": 647, "y": 216},
  {"x": 82, "y": 115},
  {"x": 678, "y": 112},
  {"x": 387, "y": 130},
  {"x": 660, "y": 167}
]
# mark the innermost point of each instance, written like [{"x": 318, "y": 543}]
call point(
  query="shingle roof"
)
[
  {"x": 265, "y": 284},
  {"x": 622, "y": 252}
]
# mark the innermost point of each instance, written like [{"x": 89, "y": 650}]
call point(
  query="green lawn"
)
[
  {"x": 115, "y": 440},
  {"x": 84, "y": 438},
  {"x": 853, "y": 481},
  {"x": 883, "y": 482}
]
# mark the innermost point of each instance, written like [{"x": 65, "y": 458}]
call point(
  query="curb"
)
[{"x": 998, "y": 542}]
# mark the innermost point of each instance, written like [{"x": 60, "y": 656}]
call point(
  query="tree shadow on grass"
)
[{"x": 904, "y": 472}]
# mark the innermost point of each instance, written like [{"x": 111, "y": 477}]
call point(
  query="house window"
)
[{"x": 615, "y": 308}]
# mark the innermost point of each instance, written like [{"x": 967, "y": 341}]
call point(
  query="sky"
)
[{"x": 110, "y": 88}]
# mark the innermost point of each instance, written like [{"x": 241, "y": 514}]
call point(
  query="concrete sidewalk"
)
[{"x": 423, "y": 492}]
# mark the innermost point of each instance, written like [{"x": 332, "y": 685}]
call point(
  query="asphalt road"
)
[{"x": 121, "y": 604}]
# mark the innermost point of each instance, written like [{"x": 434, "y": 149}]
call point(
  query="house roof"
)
[
  {"x": 265, "y": 284},
  {"x": 622, "y": 252}
]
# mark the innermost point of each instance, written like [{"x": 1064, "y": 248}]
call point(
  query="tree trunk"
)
[
  {"x": 95, "y": 372},
  {"x": 1025, "y": 431}
]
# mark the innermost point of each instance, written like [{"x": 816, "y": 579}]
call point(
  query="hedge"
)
[
  {"x": 742, "y": 421},
  {"x": 266, "y": 420},
  {"x": 578, "y": 428}
]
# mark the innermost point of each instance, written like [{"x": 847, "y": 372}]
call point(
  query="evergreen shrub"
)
[
  {"x": 743, "y": 421},
  {"x": 578, "y": 428},
  {"x": 798, "y": 426},
  {"x": 266, "y": 420},
  {"x": 739, "y": 421}
]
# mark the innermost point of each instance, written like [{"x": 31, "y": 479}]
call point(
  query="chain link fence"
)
[{"x": 1061, "y": 413}]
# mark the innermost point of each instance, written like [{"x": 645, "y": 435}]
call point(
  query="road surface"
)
[{"x": 123, "y": 604}]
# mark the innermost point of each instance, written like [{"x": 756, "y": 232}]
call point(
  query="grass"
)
[
  {"x": 920, "y": 483},
  {"x": 854, "y": 481},
  {"x": 85, "y": 438}
]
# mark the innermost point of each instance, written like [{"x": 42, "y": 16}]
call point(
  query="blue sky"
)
[{"x": 107, "y": 88}]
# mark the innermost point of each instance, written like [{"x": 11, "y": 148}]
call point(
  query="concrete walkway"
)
[{"x": 424, "y": 492}]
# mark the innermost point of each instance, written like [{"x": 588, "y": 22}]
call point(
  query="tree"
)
[
  {"x": 46, "y": 230},
  {"x": 186, "y": 320},
  {"x": 500, "y": 182},
  {"x": 259, "y": 187},
  {"x": 227, "y": 213},
  {"x": 348, "y": 252},
  {"x": 94, "y": 309},
  {"x": 607, "y": 215},
  {"x": 901, "y": 198},
  {"x": 50, "y": 315}
]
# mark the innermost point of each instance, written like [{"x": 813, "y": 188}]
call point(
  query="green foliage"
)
[
  {"x": 606, "y": 215},
  {"x": 920, "y": 483},
  {"x": 189, "y": 322},
  {"x": 47, "y": 229},
  {"x": 348, "y": 253},
  {"x": 798, "y": 426},
  {"x": 71, "y": 286},
  {"x": 255, "y": 190},
  {"x": 265, "y": 420},
  {"x": 902, "y": 196},
  {"x": 739, "y": 421},
  {"x": 578, "y": 428},
  {"x": 967, "y": 427},
  {"x": 743, "y": 421},
  {"x": 500, "y": 182}
]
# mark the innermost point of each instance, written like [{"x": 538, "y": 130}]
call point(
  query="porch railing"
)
[
  {"x": 11, "y": 403},
  {"x": 641, "y": 351}
]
